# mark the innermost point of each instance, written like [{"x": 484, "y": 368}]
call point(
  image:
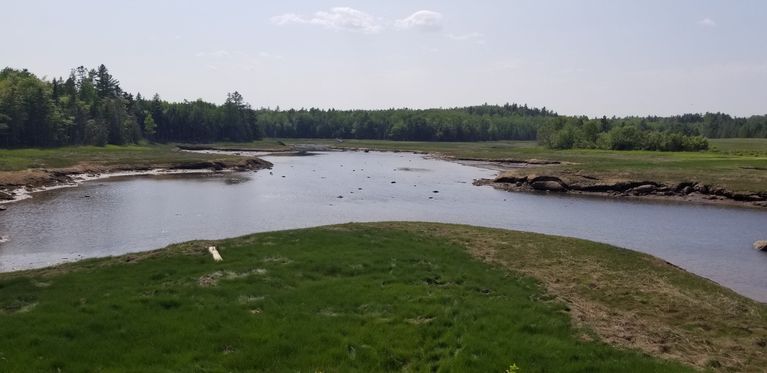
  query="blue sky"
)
[{"x": 592, "y": 57}]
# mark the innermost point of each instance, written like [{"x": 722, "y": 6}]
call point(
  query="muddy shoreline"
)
[{"x": 19, "y": 185}]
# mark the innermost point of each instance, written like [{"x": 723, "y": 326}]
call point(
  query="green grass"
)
[
  {"x": 740, "y": 146},
  {"x": 110, "y": 155},
  {"x": 345, "y": 298}
]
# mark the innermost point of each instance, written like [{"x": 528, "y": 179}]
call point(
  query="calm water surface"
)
[{"x": 132, "y": 214}]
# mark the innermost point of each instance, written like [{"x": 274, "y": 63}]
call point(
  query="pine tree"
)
[
  {"x": 150, "y": 128},
  {"x": 106, "y": 85}
]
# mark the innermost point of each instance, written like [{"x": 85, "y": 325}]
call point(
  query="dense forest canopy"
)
[{"x": 90, "y": 108}]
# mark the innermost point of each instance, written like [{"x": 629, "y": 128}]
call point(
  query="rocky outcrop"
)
[
  {"x": 760, "y": 245},
  {"x": 548, "y": 183},
  {"x": 643, "y": 189},
  {"x": 584, "y": 184},
  {"x": 241, "y": 165},
  {"x": 256, "y": 164}
]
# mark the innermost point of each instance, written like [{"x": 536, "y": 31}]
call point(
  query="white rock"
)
[{"x": 216, "y": 256}]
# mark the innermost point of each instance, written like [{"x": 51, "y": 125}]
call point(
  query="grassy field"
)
[
  {"x": 377, "y": 297},
  {"x": 110, "y": 155}
]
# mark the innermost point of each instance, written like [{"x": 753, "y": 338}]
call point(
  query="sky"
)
[{"x": 588, "y": 57}]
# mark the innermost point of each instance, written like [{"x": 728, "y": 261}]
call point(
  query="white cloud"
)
[
  {"x": 287, "y": 18},
  {"x": 707, "y": 22},
  {"x": 476, "y": 37},
  {"x": 423, "y": 20},
  {"x": 338, "y": 18}
]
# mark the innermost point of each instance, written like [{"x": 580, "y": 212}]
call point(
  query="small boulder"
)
[
  {"x": 3, "y": 208},
  {"x": 548, "y": 185},
  {"x": 5, "y": 196},
  {"x": 510, "y": 179},
  {"x": 643, "y": 189},
  {"x": 700, "y": 188},
  {"x": 760, "y": 245}
]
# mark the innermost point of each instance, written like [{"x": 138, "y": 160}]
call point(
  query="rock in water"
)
[{"x": 760, "y": 245}]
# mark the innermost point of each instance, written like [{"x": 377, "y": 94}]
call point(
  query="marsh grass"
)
[
  {"x": 110, "y": 155},
  {"x": 344, "y": 298}
]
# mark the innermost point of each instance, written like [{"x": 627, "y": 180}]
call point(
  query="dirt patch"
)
[
  {"x": 212, "y": 279},
  {"x": 654, "y": 307}
]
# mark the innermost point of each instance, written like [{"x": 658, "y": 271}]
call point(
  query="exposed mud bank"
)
[
  {"x": 18, "y": 185},
  {"x": 233, "y": 149},
  {"x": 689, "y": 191}
]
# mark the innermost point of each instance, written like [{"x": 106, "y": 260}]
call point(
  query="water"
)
[{"x": 139, "y": 213}]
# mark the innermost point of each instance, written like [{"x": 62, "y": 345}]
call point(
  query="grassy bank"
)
[
  {"x": 377, "y": 297},
  {"x": 110, "y": 155}
]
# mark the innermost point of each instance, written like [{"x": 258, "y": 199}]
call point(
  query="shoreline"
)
[
  {"x": 513, "y": 176},
  {"x": 506, "y": 180},
  {"x": 17, "y": 186},
  {"x": 684, "y": 193}
]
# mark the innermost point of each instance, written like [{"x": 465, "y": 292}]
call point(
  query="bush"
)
[{"x": 625, "y": 137}]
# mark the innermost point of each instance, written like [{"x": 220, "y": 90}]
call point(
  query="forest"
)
[{"x": 89, "y": 108}]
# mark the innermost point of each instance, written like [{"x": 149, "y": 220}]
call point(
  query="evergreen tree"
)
[
  {"x": 150, "y": 128},
  {"x": 106, "y": 85}
]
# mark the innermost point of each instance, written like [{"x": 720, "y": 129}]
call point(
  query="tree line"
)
[
  {"x": 620, "y": 134},
  {"x": 475, "y": 123},
  {"x": 90, "y": 108}
]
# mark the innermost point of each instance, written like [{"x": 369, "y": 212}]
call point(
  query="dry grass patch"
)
[{"x": 628, "y": 299}]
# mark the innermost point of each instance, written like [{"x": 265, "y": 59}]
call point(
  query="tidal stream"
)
[{"x": 128, "y": 214}]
